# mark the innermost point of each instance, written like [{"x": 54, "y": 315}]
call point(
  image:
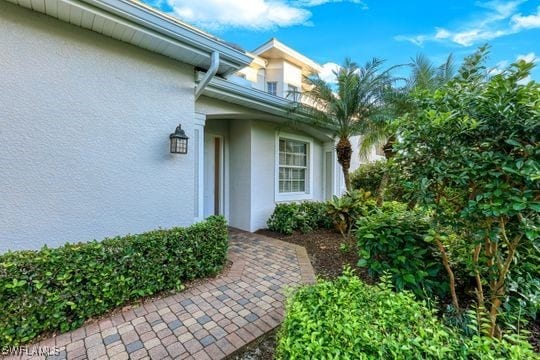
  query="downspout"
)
[{"x": 212, "y": 70}]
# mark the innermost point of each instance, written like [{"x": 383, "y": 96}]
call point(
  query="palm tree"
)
[
  {"x": 348, "y": 105},
  {"x": 424, "y": 77},
  {"x": 380, "y": 131}
]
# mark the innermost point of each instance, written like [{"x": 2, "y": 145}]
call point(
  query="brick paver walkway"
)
[{"x": 208, "y": 321}]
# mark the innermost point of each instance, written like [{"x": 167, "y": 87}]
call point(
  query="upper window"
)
[
  {"x": 293, "y": 166},
  {"x": 292, "y": 92},
  {"x": 271, "y": 87}
]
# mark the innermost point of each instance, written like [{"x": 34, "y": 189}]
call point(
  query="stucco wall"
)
[
  {"x": 84, "y": 125},
  {"x": 291, "y": 75},
  {"x": 356, "y": 161},
  {"x": 240, "y": 181},
  {"x": 274, "y": 72}
]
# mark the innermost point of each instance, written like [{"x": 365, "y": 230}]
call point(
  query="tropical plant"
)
[
  {"x": 424, "y": 76},
  {"x": 472, "y": 155},
  {"x": 347, "y": 209},
  {"x": 381, "y": 131},
  {"x": 356, "y": 99}
]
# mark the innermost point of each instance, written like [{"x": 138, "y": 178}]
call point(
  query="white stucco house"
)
[{"x": 91, "y": 90}]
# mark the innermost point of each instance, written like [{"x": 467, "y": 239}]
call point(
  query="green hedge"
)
[
  {"x": 60, "y": 288},
  {"x": 305, "y": 217},
  {"x": 347, "y": 319}
]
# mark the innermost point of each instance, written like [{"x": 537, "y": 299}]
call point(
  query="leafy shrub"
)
[
  {"x": 347, "y": 319},
  {"x": 368, "y": 176},
  {"x": 305, "y": 217},
  {"x": 470, "y": 153},
  {"x": 58, "y": 289},
  {"x": 345, "y": 210},
  {"x": 392, "y": 240}
]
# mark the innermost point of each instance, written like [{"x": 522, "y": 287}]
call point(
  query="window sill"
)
[{"x": 283, "y": 197}]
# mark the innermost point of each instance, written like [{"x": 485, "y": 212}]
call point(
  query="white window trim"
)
[
  {"x": 274, "y": 83},
  {"x": 290, "y": 196}
]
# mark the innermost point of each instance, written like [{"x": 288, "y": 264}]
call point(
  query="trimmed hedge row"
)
[
  {"x": 347, "y": 319},
  {"x": 60, "y": 288}
]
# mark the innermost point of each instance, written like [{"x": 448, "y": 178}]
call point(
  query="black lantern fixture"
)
[{"x": 179, "y": 141}]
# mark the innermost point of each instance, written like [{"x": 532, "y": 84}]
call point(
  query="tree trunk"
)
[
  {"x": 388, "y": 154},
  {"x": 451, "y": 278},
  {"x": 388, "y": 148},
  {"x": 344, "y": 153}
]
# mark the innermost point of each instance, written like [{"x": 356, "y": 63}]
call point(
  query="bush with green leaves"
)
[
  {"x": 59, "y": 288},
  {"x": 305, "y": 217},
  {"x": 345, "y": 210},
  {"x": 470, "y": 153},
  {"x": 379, "y": 178},
  {"x": 369, "y": 176},
  {"x": 391, "y": 240},
  {"x": 347, "y": 319}
]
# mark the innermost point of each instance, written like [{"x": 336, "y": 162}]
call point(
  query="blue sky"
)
[{"x": 328, "y": 31}]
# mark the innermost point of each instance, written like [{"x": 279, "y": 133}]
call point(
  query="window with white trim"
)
[
  {"x": 293, "y": 166},
  {"x": 271, "y": 87}
]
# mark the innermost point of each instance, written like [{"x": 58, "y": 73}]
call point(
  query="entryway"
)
[{"x": 213, "y": 175}]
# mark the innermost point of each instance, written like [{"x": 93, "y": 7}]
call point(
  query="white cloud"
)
[
  {"x": 442, "y": 34},
  {"x": 530, "y": 57},
  {"x": 527, "y": 22},
  {"x": 322, "y": 2},
  {"x": 498, "y": 68},
  {"x": 527, "y": 79},
  {"x": 499, "y": 19},
  {"x": 501, "y": 66},
  {"x": 327, "y": 73},
  {"x": 416, "y": 40},
  {"x": 252, "y": 14}
]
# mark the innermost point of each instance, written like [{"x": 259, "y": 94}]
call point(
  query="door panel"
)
[{"x": 212, "y": 175}]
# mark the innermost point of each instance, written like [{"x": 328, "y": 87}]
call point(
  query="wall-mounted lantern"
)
[{"x": 179, "y": 141}]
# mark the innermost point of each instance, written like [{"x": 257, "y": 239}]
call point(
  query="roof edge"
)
[{"x": 155, "y": 20}]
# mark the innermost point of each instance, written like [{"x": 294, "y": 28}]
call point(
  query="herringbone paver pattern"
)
[{"x": 209, "y": 321}]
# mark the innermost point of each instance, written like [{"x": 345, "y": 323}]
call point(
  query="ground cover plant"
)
[
  {"x": 57, "y": 289},
  {"x": 347, "y": 319}
]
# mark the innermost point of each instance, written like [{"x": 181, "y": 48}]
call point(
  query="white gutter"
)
[
  {"x": 250, "y": 98},
  {"x": 212, "y": 70}
]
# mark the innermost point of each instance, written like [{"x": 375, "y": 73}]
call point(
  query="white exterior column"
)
[
  {"x": 198, "y": 147},
  {"x": 332, "y": 166}
]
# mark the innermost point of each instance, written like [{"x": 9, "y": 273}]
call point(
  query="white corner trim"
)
[
  {"x": 297, "y": 196},
  {"x": 199, "y": 121}
]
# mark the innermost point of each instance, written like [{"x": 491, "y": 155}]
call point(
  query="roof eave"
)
[
  {"x": 259, "y": 100},
  {"x": 152, "y": 19}
]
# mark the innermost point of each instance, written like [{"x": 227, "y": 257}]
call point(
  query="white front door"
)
[{"x": 213, "y": 165}]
